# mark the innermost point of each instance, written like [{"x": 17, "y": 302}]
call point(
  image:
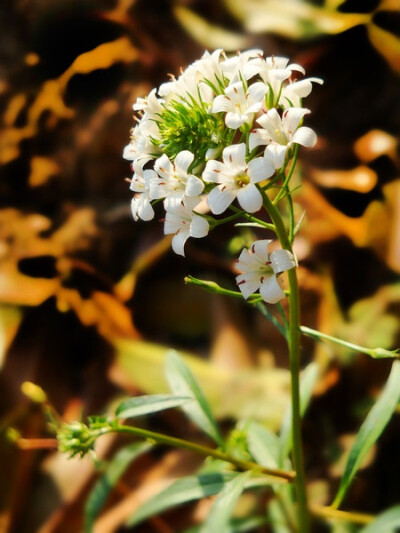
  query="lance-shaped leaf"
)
[
  {"x": 371, "y": 429},
  {"x": 308, "y": 379},
  {"x": 183, "y": 383},
  {"x": 388, "y": 522},
  {"x": 191, "y": 488},
  {"x": 220, "y": 513},
  {"x": 263, "y": 445},
  {"x": 143, "y": 405},
  {"x": 101, "y": 490}
]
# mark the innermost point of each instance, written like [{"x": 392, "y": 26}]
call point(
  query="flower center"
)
[
  {"x": 188, "y": 127},
  {"x": 242, "y": 179}
]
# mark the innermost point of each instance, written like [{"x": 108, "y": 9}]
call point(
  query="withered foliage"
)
[{"x": 77, "y": 275}]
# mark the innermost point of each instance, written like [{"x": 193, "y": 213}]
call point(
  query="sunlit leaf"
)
[
  {"x": 182, "y": 382},
  {"x": 100, "y": 492},
  {"x": 387, "y": 44},
  {"x": 263, "y": 445},
  {"x": 143, "y": 405},
  {"x": 10, "y": 319},
  {"x": 388, "y": 522},
  {"x": 191, "y": 488},
  {"x": 259, "y": 394},
  {"x": 308, "y": 380},
  {"x": 371, "y": 429},
  {"x": 220, "y": 513}
]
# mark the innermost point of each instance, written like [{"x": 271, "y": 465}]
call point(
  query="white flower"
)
[
  {"x": 183, "y": 223},
  {"x": 239, "y": 105},
  {"x": 282, "y": 131},
  {"x": 141, "y": 184},
  {"x": 151, "y": 105},
  {"x": 236, "y": 179},
  {"x": 293, "y": 92},
  {"x": 141, "y": 147},
  {"x": 234, "y": 67},
  {"x": 186, "y": 88},
  {"x": 273, "y": 71},
  {"x": 174, "y": 182},
  {"x": 259, "y": 269}
]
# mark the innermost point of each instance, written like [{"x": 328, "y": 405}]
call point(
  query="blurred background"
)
[{"x": 89, "y": 300}]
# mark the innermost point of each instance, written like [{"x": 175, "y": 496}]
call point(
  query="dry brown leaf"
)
[
  {"x": 360, "y": 179},
  {"x": 42, "y": 169},
  {"x": 374, "y": 144}
]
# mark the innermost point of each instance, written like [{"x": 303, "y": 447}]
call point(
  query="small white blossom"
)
[
  {"x": 282, "y": 131},
  {"x": 293, "y": 92},
  {"x": 236, "y": 179},
  {"x": 181, "y": 221},
  {"x": 173, "y": 181},
  {"x": 141, "y": 184},
  {"x": 238, "y": 104},
  {"x": 151, "y": 105},
  {"x": 260, "y": 268}
]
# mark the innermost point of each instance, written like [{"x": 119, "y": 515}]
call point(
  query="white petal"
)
[
  {"x": 212, "y": 172},
  {"x": 130, "y": 152},
  {"x": 235, "y": 120},
  {"x": 221, "y": 103},
  {"x": 260, "y": 249},
  {"x": 172, "y": 224},
  {"x": 257, "y": 91},
  {"x": 183, "y": 161},
  {"x": 271, "y": 291},
  {"x": 260, "y": 169},
  {"x": 250, "y": 198},
  {"x": 305, "y": 136},
  {"x": 281, "y": 260},
  {"x": 234, "y": 156},
  {"x": 248, "y": 284},
  {"x": 199, "y": 227},
  {"x": 178, "y": 242},
  {"x": 194, "y": 186},
  {"x": 276, "y": 154},
  {"x": 173, "y": 201},
  {"x": 163, "y": 166},
  {"x": 220, "y": 198},
  {"x": 145, "y": 211},
  {"x": 258, "y": 138},
  {"x": 292, "y": 118}
]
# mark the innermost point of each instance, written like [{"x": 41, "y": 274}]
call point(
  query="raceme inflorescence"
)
[{"x": 215, "y": 139}]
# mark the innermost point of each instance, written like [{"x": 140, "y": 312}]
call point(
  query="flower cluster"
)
[{"x": 214, "y": 136}]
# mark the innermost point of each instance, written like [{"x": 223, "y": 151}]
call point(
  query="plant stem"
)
[
  {"x": 376, "y": 353},
  {"x": 203, "y": 450},
  {"x": 294, "y": 363},
  {"x": 348, "y": 516}
]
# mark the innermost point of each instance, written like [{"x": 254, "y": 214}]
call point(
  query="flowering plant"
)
[{"x": 224, "y": 137}]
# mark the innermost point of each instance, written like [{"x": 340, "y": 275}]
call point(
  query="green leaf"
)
[
  {"x": 143, "y": 405},
  {"x": 388, "y": 522},
  {"x": 117, "y": 466},
  {"x": 220, "y": 513},
  {"x": 308, "y": 379},
  {"x": 188, "y": 489},
  {"x": 263, "y": 445},
  {"x": 182, "y": 382},
  {"x": 181, "y": 491},
  {"x": 371, "y": 429}
]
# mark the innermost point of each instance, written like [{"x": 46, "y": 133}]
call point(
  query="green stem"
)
[
  {"x": 294, "y": 362},
  {"x": 253, "y": 219},
  {"x": 202, "y": 450},
  {"x": 288, "y": 176},
  {"x": 376, "y": 353}
]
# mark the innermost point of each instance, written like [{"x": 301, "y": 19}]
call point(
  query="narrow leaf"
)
[
  {"x": 191, "y": 488},
  {"x": 308, "y": 379},
  {"x": 101, "y": 490},
  {"x": 183, "y": 383},
  {"x": 223, "y": 507},
  {"x": 182, "y": 491},
  {"x": 263, "y": 445},
  {"x": 388, "y": 521},
  {"x": 371, "y": 429},
  {"x": 143, "y": 405}
]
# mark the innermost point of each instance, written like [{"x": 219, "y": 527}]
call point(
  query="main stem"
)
[{"x": 294, "y": 362}]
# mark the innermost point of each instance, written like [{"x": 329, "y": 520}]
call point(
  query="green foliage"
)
[
  {"x": 388, "y": 522},
  {"x": 183, "y": 382},
  {"x": 371, "y": 429},
  {"x": 143, "y": 405},
  {"x": 116, "y": 468}
]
